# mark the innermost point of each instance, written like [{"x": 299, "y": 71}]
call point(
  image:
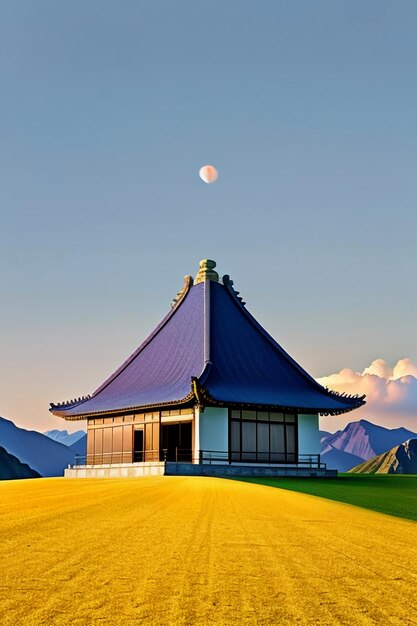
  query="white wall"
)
[
  {"x": 214, "y": 429},
  {"x": 308, "y": 434}
]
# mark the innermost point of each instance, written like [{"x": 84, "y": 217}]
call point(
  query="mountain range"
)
[
  {"x": 63, "y": 436},
  {"x": 361, "y": 447},
  {"x": 44, "y": 455},
  {"x": 77, "y": 441},
  {"x": 358, "y": 442}
]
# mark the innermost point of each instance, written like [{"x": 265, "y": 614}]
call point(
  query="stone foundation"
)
[
  {"x": 203, "y": 469},
  {"x": 116, "y": 470},
  {"x": 121, "y": 470}
]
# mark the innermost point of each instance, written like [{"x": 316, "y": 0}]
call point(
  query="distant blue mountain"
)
[
  {"x": 44, "y": 455},
  {"x": 11, "y": 468},
  {"x": 63, "y": 436},
  {"x": 80, "y": 446},
  {"x": 340, "y": 460}
]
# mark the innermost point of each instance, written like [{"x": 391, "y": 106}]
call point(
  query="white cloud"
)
[
  {"x": 380, "y": 368},
  {"x": 404, "y": 367},
  {"x": 391, "y": 393}
]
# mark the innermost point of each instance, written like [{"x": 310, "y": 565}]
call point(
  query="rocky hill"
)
[{"x": 401, "y": 459}]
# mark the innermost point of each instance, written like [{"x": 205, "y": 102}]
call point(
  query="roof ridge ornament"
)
[
  {"x": 71, "y": 403},
  {"x": 228, "y": 283},
  {"x": 206, "y": 272},
  {"x": 188, "y": 283}
]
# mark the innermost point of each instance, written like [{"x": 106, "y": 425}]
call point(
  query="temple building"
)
[{"x": 208, "y": 392}]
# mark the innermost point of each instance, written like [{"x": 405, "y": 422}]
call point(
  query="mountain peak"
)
[
  {"x": 63, "y": 436},
  {"x": 364, "y": 440},
  {"x": 401, "y": 459}
]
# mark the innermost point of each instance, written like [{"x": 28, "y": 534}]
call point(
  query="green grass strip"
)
[{"x": 390, "y": 494}]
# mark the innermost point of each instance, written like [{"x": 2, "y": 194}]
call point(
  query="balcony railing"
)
[
  {"x": 201, "y": 456},
  {"x": 221, "y": 456},
  {"x": 111, "y": 458}
]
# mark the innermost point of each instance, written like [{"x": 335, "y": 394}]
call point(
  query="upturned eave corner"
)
[
  {"x": 353, "y": 401},
  {"x": 61, "y": 407},
  {"x": 183, "y": 402}
]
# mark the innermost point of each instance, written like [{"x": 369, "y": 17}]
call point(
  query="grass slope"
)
[
  {"x": 191, "y": 551},
  {"x": 393, "y": 495}
]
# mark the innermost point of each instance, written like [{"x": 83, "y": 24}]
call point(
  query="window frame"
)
[{"x": 288, "y": 419}]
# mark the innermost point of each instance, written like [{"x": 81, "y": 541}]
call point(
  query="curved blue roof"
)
[
  {"x": 249, "y": 367},
  {"x": 209, "y": 336},
  {"x": 159, "y": 371}
]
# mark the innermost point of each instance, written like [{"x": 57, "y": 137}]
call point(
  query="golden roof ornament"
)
[{"x": 206, "y": 272}]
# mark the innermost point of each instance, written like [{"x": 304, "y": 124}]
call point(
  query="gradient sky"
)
[{"x": 108, "y": 110}]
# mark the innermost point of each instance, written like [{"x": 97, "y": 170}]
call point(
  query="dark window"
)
[
  {"x": 277, "y": 443},
  {"x": 235, "y": 440},
  {"x": 263, "y": 441},
  {"x": 263, "y": 437},
  {"x": 248, "y": 441},
  {"x": 138, "y": 445},
  {"x": 176, "y": 442}
]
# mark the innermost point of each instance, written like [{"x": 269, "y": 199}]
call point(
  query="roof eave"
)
[
  {"x": 204, "y": 398},
  {"x": 124, "y": 410},
  {"x": 351, "y": 402}
]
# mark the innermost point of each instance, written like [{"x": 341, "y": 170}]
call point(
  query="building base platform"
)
[
  {"x": 206, "y": 469},
  {"x": 126, "y": 470},
  {"x": 116, "y": 470}
]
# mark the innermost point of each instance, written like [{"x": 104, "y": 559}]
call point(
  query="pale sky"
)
[{"x": 109, "y": 109}]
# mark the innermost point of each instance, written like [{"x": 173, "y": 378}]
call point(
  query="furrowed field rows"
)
[{"x": 171, "y": 550}]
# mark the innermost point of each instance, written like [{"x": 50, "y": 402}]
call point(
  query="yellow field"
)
[{"x": 173, "y": 550}]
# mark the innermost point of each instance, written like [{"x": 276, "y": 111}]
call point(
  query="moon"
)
[{"x": 208, "y": 174}]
